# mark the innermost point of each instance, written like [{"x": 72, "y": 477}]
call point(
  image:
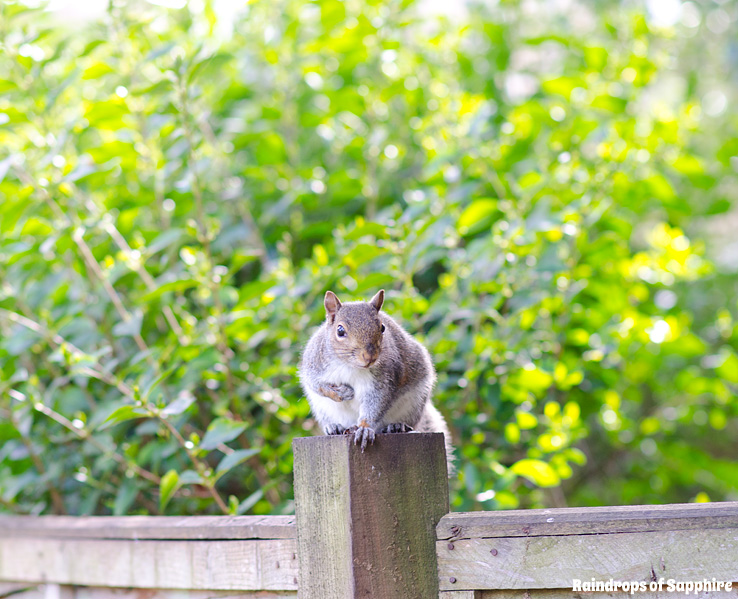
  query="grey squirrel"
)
[{"x": 363, "y": 373}]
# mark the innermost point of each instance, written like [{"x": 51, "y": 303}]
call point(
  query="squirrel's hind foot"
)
[{"x": 397, "y": 427}]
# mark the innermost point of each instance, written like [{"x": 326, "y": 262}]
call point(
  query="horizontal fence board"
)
[
  {"x": 54, "y": 591},
  {"x": 553, "y": 562},
  {"x": 591, "y": 520},
  {"x": 108, "y": 593},
  {"x": 21, "y": 590},
  {"x": 212, "y": 565},
  {"x": 150, "y": 527}
]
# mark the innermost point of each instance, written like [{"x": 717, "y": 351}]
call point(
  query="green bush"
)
[{"x": 177, "y": 197}]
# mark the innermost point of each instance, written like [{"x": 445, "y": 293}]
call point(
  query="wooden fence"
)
[{"x": 373, "y": 525}]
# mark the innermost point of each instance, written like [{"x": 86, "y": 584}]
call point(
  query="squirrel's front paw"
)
[
  {"x": 364, "y": 434},
  {"x": 337, "y": 392},
  {"x": 334, "y": 429},
  {"x": 397, "y": 427}
]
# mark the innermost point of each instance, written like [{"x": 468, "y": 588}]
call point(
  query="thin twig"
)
[
  {"x": 89, "y": 258},
  {"x": 78, "y": 237}
]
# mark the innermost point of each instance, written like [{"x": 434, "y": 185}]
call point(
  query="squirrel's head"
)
[{"x": 355, "y": 329}]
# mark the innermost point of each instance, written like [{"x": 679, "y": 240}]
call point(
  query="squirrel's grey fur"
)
[{"x": 363, "y": 374}]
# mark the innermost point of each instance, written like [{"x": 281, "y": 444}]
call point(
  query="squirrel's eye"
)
[
  {"x": 383, "y": 328},
  {"x": 340, "y": 331}
]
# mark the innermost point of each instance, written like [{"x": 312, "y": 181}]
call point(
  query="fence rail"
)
[
  {"x": 372, "y": 525},
  {"x": 163, "y": 554},
  {"x": 541, "y": 552}
]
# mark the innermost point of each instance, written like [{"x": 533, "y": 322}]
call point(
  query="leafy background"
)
[{"x": 547, "y": 191}]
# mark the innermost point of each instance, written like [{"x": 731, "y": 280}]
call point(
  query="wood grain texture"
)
[
  {"x": 553, "y": 562},
  {"x": 108, "y": 593},
  {"x": 322, "y": 500},
  {"x": 591, "y": 520},
  {"x": 213, "y": 565},
  {"x": 41, "y": 591},
  {"x": 54, "y": 591},
  {"x": 366, "y": 521},
  {"x": 150, "y": 527},
  {"x": 18, "y": 590}
]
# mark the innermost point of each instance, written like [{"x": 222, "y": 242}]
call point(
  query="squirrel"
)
[{"x": 363, "y": 373}]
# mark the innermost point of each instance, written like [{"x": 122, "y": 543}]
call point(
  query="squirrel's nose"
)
[{"x": 367, "y": 357}]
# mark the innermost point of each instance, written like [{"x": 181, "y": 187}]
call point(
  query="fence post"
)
[{"x": 366, "y": 522}]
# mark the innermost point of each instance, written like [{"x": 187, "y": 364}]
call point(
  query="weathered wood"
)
[
  {"x": 108, "y": 593},
  {"x": 554, "y": 562},
  {"x": 366, "y": 521},
  {"x": 16, "y": 589},
  {"x": 54, "y": 591},
  {"x": 591, "y": 520},
  {"x": 150, "y": 527},
  {"x": 178, "y": 564},
  {"x": 40, "y": 591}
]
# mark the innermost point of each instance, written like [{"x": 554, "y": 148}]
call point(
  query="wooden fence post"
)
[{"x": 366, "y": 521}]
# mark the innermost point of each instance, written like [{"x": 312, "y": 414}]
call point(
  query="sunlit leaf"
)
[
  {"x": 536, "y": 471},
  {"x": 221, "y": 430},
  {"x": 168, "y": 486}
]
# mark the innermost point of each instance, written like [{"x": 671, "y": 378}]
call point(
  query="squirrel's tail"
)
[{"x": 432, "y": 421}]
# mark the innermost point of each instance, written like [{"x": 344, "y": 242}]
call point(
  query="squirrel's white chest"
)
[
  {"x": 358, "y": 378},
  {"x": 345, "y": 413}
]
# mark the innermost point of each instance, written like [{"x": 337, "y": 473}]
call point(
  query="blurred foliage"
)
[{"x": 536, "y": 187}]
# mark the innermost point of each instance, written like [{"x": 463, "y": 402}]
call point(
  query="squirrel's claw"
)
[
  {"x": 334, "y": 429},
  {"x": 364, "y": 435},
  {"x": 397, "y": 427}
]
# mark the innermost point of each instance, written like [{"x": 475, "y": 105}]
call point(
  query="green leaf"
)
[
  {"x": 221, "y": 430},
  {"x": 361, "y": 254},
  {"x": 168, "y": 486},
  {"x": 160, "y": 51},
  {"x": 526, "y": 420},
  {"x": 6, "y": 85},
  {"x": 477, "y": 216},
  {"x": 124, "y": 498},
  {"x": 562, "y": 86},
  {"x": 148, "y": 390},
  {"x": 610, "y": 103},
  {"x": 123, "y": 414},
  {"x": 130, "y": 327},
  {"x": 179, "y": 285},
  {"x": 190, "y": 477},
  {"x": 164, "y": 240},
  {"x": 234, "y": 459},
  {"x": 729, "y": 368},
  {"x": 536, "y": 471},
  {"x": 209, "y": 66},
  {"x": 183, "y": 401},
  {"x": 250, "y": 501}
]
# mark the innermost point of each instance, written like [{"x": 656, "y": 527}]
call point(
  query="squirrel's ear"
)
[
  {"x": 332, "y": 304},
  {"x": 378, "y": 300}
]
